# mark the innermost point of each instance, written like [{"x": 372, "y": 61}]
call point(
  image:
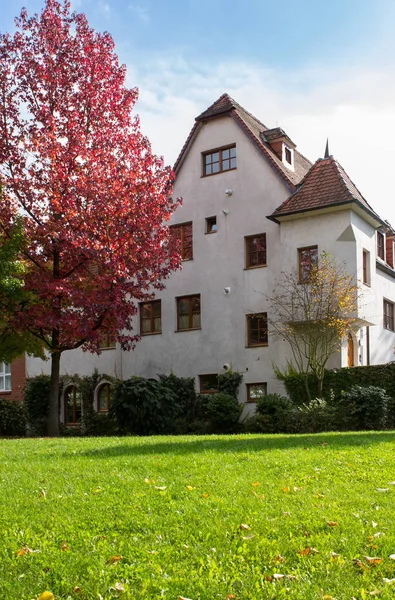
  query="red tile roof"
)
[
  {"x": 254, "y": 129},
  {"x": 326, "y": 184}
]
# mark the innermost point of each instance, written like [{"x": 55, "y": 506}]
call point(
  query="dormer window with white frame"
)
[{"x": 288, "y": 157}]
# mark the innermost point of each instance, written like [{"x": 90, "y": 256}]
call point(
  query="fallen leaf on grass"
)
[
  {"x": 374, "y": 593},
  {"x": 149, "y": 481},
  {"x": 190, "y": 488},
  {"x": 334, "y": 556},
  {"x": 392, "y": 556},
  {"x": 65, "y": 546},
  {"x": 255, "y": 483},
  {"x": 46, "y": 596},
  {"x": 162, "y": 488},
  {"x": 327, "y": 597},
  {"x": 76, "y": 589},
  {"x": 247, "y": 537},
  {"x": 278, "y": 559},
  {"x": 389, "y": 581},
  {"x": 307, "y": 551},
  {"x": 359, "y": 563},
  {"x": 205, "y": 495},
  {"x": 382, "y": 489},
  {"x": 43, "y": 494},
  {"x": 97, "y": 491},
  {"x": 285, "y": 490},
  {"x": 183, "y": 598},
  {"x": 297, "y": 489},
  {"x": 230, "y": 597},
  {"x": 119, "y": 587},
  {"x": 244, "y": 527},
  {"x": 373, "y": 560},
  {"x": 24, "y": 551},
  {"x": 332, "y": 523},
  {"x": 114, "y": 559},
  {"x": 375, "y": 535}
]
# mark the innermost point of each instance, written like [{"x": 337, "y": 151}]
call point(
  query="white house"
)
[{"x": 252, "y": 207}]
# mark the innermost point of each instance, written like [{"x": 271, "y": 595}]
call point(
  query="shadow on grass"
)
[{"x": 238, "y": 444}]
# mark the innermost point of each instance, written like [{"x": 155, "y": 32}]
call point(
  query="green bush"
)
[
  {"x": 222, "y": 411},
  {"x": 101, "y": 424},
  {"x": 12, "y": 418},
  {"x": 314, "y": 417},
  {"x": 364, "y": 408},
  {"x": 144, "y": 407},
  {"x": 229, "y": 383},
  {"x": 184, "y": 390},
  {"x": 36, "y": 401},
  {"x": 275, "y": 412}
]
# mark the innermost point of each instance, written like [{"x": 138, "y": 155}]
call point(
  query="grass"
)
[{"x": 199, "y": 518}]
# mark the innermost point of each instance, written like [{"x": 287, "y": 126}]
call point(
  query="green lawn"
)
[{"x": 199, "y": 518}]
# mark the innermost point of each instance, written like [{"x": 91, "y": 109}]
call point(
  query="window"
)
[
  {"x": 188, "y": 312},
  {"x": 72, "y": 405},
  {"x": 288, "y": 155},
  {"x": 256, "y": 251},
  {"x": 388, "y": 315},
  {"x": 216, "y": 161},
  {"x": 5, "y": 377},
  {"x": 107, "y": 340},
  {"x": 183, "y": 235},
  {"x": 380, "y": 245},
  {"x": 103, "y": 398},
  {"x": 208, "y": 384},
  {"x": 366, "y": 267},
  {"x": 151, "y": 317},
  {"x": 308, "y": 258},
  {"x": 255, "y": 391},
  {"x": 257, "y": 330},
  {"x": 211, "y": 225}
]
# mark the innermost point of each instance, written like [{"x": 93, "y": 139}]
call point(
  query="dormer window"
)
[
  {"x": 380, "y": 245},
  {"x": 288, "y": 156}
]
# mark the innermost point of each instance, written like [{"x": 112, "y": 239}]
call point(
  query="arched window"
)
[
  {"x": 103, "y": 398},
  {"x": 72, "y": 405}
]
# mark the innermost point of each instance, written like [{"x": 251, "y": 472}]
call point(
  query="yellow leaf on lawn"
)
[
  {"x": 119, "y": 587},
  {"x": 358, "y": 563},
  {"x": 327, "y": 597},
  {"x": 278, "y": 559},
  {"x": 332, "y": 523},
  {"x": 149, "y": 481},
  {"x": 98, "y": 491},
  {"x": 247, "y": 537},
  {"x": 65, "y": 546},
  {"x": 297, "y": 489},
  {"x": 24, "y": 551},
  {"x": 244, "y": 527},
  {"x": 190, "y": 488},
  {"x": 76, "y": 589},
  {"x": 205, "y": 495},
  {"x": 373, "y": 560},
  {"x": 231, "y": 597},
  {"x": 255, "y": 483},
  {"x": 46, "y": 596},
  {"x": 304, "y": 552},
  {"x": 334, "y": 556},
  {"x": 43, "y": 494},
  {"x": 114, "y": 559},
  {"x": 285, "y": 490},
  {"x": 160, "y": 487}
]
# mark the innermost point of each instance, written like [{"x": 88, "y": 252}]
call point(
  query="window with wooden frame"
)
[
  {"x": 219, "y": 160},
  {"x": 255, "y": 391},
  {"x": 183, "y": 234},
  {"x": 380, "y": 245},
  {"x": 208, "y": 384},
  {"x": 307, "y": 259},
  {"x": 107, "y": 340},
  {"x": 255, "y": 251},
  {"x": 388, "y": 315},
  {"x": 5, "y": 377},
  {"x": 366, "y": 267},
  {"x": 257, "y": 334},
  {"x": 151, "y": 317},
  {"x": 72, "y": 405},
  {"x": 211, "y": 225},
  {"x": 103, "y": 398},
  {"x": 188, "y": 312}
]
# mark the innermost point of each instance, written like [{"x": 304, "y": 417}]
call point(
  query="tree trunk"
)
[
  {"x": 306, "y": 385},
  {"x": 53, "y": 417}
]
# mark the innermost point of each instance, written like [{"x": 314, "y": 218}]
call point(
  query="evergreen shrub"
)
[
  {"x": 12, "y": 418},
  {"x": 222, "y": 412}
]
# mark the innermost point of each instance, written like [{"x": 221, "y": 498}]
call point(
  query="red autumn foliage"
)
[{"x": 94, "y": 198}]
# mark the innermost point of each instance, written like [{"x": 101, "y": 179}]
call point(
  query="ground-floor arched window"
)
[
  {"x": 103, "y": 398},
  {"x": 72, "y": 405}
]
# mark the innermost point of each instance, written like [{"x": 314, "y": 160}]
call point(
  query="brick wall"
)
[{"x": 18, "y": 379}]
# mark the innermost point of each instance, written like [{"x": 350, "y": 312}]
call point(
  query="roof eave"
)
[{"x": 374, "y": 220}]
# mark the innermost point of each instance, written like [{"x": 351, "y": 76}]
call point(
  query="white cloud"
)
[
  {"x": 104, "y": 7},
  {"x": 141, "y": 12},
  {"x": 355, "y": 109}
]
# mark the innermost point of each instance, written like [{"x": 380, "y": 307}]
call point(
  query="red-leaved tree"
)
[{"x": 94, "y": 198}]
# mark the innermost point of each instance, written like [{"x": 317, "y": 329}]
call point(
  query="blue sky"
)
[{"x": 317, "y": 69}]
